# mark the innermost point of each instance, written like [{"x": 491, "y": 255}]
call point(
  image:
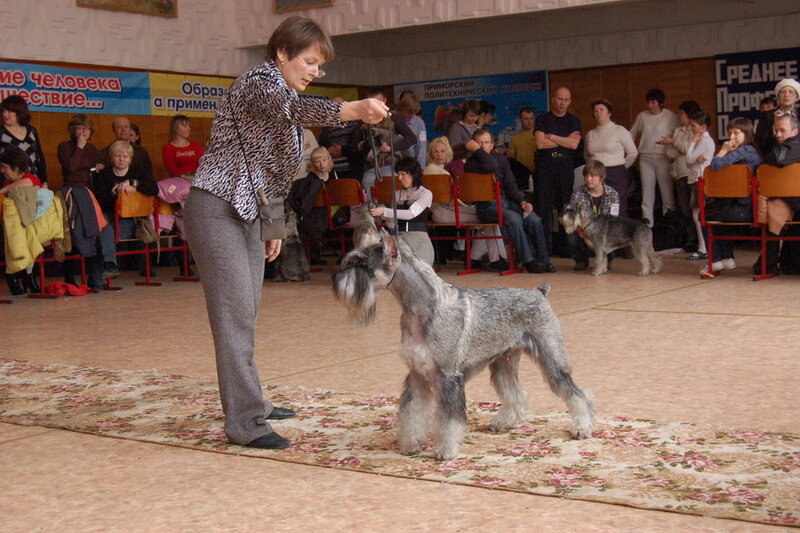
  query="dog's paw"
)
[
  {"x": 446, "y": 455},
  {"x": 582, "y": 434},
  {"x": 644, "y": 273}
]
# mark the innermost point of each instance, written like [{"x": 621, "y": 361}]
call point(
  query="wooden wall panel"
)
[{"x": 626, "y": 85}]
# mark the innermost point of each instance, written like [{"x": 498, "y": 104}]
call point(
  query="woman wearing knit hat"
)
[{"x": 787, "y": 91}]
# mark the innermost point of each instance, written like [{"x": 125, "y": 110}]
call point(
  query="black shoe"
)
[
  {"x": 110, "y": 270},
  {"x": 497, "y": 266},
  {"x": 30, "y": 284},
  {"x": 771, "y": 268},
  {"x": 271, "y": 441},
  {"x": 534, "y": 267},
  {"x": 580, "y": 265},
  {"x": 281, "y": 413},
  {"x": 549, "y": 268},
  {"x": 13, "y": 284}
]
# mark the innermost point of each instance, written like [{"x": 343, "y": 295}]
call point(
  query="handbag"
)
[
  {"x": 144, "y": 230},
  {"x": 270, "y": 210}
]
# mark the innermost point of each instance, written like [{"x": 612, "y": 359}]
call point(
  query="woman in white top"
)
[
  {"x": 612, "y": 145},
  {"x": 698, "y": 157},
  {"x": 413, "y": 206},
  {"x": 650, "y": 127}
]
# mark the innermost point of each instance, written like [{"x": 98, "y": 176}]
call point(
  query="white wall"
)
[{"x": 202, "y": 39}]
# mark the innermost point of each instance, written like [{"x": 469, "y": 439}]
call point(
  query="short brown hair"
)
[
  {"x": 295, "y": 34},
  {"x": 481, "y": 131},
  {"x": 745, "y": 125},
  {"x": 601, "y": 101},
  {"x": 77, "y": 121},
  {"x": 17, "y": 105},
  {"x": 595, "y": 168}
]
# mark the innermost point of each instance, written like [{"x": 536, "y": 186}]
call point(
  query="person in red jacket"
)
[{"x": 181, "y": 156}]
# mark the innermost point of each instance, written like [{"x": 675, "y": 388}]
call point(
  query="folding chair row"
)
[{"x": 738, "y": 182}]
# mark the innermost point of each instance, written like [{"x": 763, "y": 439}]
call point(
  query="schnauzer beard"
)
[
  {"x": 356, "y": 283},
  {"x": 574, "y": 217}
]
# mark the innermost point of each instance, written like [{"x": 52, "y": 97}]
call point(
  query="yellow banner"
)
[
  {"x": 198, "y": 96},
  {"x": 193, "y": 96},
  {"x": 345, "y": 93}
]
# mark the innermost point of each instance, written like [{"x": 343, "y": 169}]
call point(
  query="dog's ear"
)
[{"x": 389, "y": 244}]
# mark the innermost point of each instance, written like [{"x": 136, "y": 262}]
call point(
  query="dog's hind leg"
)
[
  {"x": 551, "y": 356},
  {"x": 655, "y": 259},
  {"x": 415, "y": 414},
  {"x": 452, "y": 416},
  {"x": 505, "y": 380}
]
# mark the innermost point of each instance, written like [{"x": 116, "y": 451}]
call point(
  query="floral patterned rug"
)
[{"x": 743, "y": 475}]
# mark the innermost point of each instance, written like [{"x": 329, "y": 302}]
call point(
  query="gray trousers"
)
[{"x": 229, "y": 256}]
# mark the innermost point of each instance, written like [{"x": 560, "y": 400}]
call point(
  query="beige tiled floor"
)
[{"x": 670, "y": 347}]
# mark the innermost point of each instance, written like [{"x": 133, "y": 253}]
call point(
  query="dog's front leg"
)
[
  {"x": 600, "y": 261},
  {"x": 415, "y": 413},
  {"x": 452, "y": 414}
]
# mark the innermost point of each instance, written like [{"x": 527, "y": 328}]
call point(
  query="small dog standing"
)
[
  {"x": 606, "y": 233},
  {"x": 365, "y": 232},
  {"x": 449, "y": 334},
  {"x": 292, "y": 262}
]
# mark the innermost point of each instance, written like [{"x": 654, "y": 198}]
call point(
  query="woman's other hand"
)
[
  {"x": 272, "y": 249},
  {"x": 377, "y": 211}
]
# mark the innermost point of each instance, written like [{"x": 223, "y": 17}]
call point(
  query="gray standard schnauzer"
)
[
  {"x": 606, "y": 233},
  {"x": 365, "y": 232},
  {"x": 449, "y": 334},
  {"x": 292, "y": 263}
]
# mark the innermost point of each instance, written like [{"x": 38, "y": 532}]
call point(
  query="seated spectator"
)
[
  {"x": 738, "y": 149},
  {"x": 787, "y": 92},
  {"x": 123, "y": 178},
  {"x": 181, "y": 156},
  {"x": 521, "y": 223},
  {"x": 15, "y": 166},
  {"x": 92, "y": 238},
  {"x": 602, "y": 199},
  {"x": 459, "y": 133},
  {"x": 776, "y": 212},
  {"x": 140, "y": 160},
  {"x": 312, "y": 221},
  {"x": 413, "y": 206},
  {"x": 676, "y": 152},
  {"x": 440, "y": 154},
  {"x": 698, "y": 157}
]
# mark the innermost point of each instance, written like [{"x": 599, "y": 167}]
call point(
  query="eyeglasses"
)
[
  {"x": 311, "y": 65},
  {"x": 785, "y": 113}
]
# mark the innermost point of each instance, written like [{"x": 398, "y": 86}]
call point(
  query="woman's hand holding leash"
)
[{"x": 370, "y": 110}]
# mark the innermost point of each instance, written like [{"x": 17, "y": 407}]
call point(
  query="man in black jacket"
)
[
  {"x": 520, "y": 222},
  {"x": 785, "y": 152}
]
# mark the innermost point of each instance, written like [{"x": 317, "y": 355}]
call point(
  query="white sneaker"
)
[
  {"x": 728, "y": 264},
  {"x": 716, "y": 266}
]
